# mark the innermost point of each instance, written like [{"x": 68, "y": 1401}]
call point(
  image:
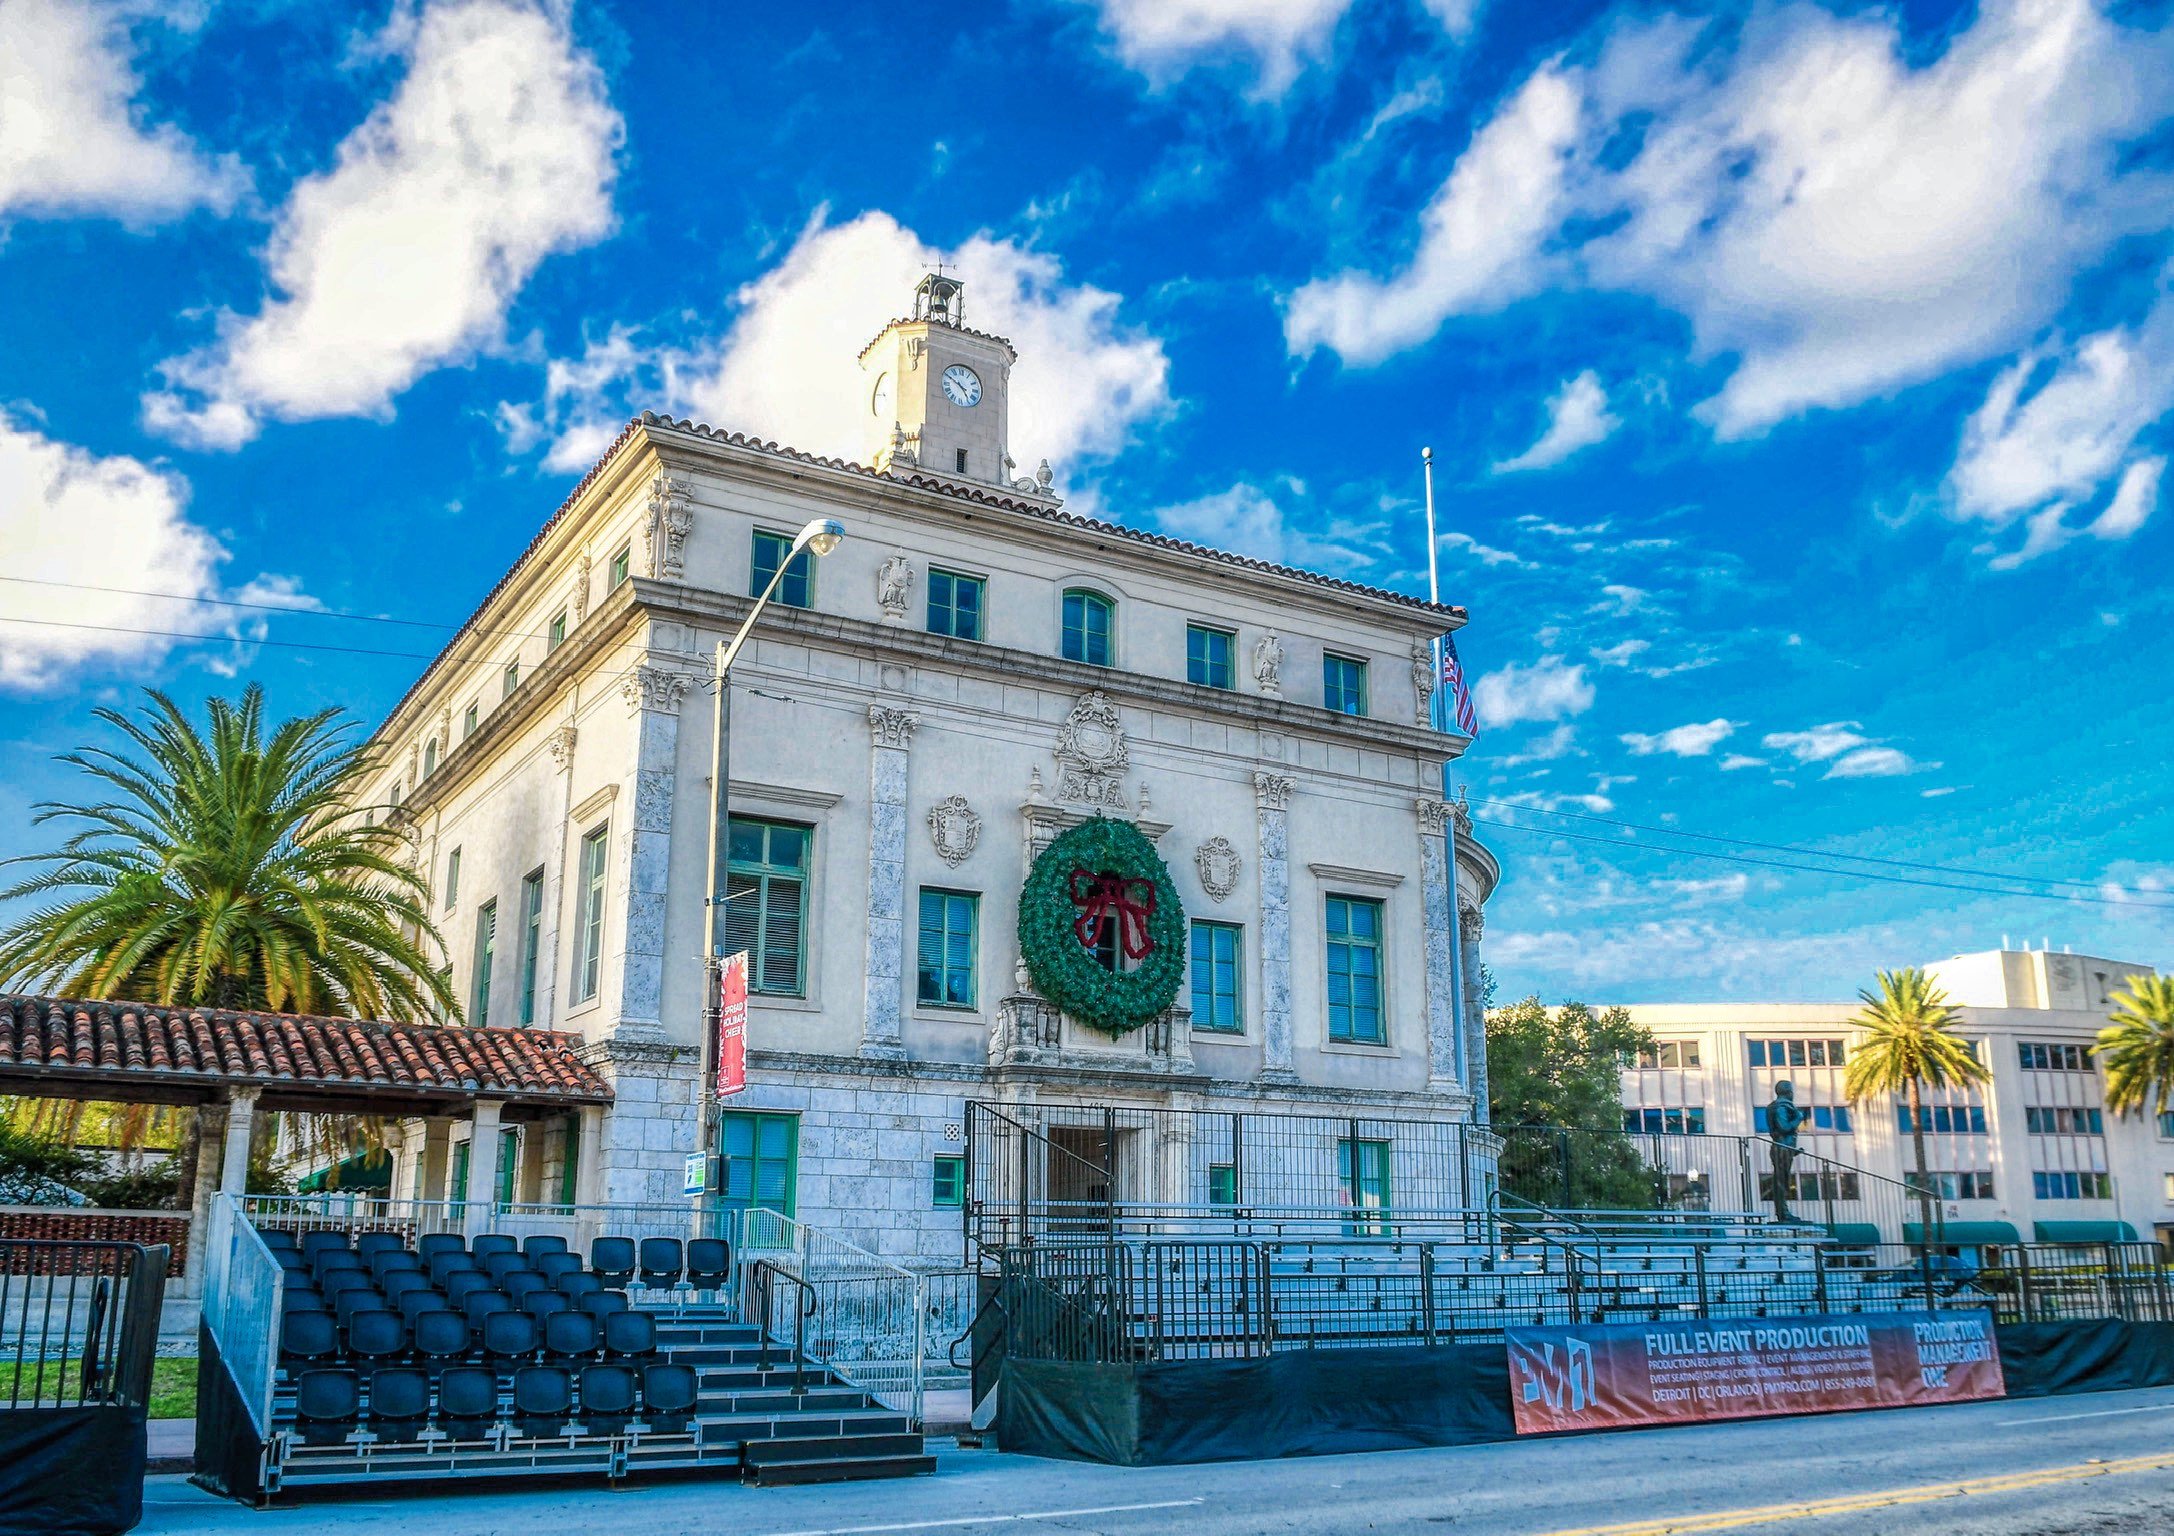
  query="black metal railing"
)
[
  {"x": 78, "y": 1322},
  {"x": 764, "y": 1279}
]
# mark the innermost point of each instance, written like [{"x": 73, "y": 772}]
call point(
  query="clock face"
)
[
  {"x": 879, "y": 403},
  {"x": 962, "y": 386}
]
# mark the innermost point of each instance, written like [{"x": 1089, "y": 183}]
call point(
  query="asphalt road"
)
[{"x": 2067, "y": 1466}]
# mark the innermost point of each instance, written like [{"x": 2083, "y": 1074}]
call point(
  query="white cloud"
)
[
  {"x": 1549, "y": 689},
  {"x": 494, "y": 152},
  {"x": 1485, "y": 554},
  {"x": 2134, "y": 500},
  {"x": 1737, "y": 761},
  {"x": 1838, "y": 218},
  {"x": 1822, "y": 743},
  {"x": 1577, "y": 417},
  {"x": 1696, "y": 740},
  {"x": 72, "y": 141},
  {"x": 71, "y": 517},
  {"x": 1873, "y": 763},
  {"x": 1547, "y": 748},
  {"x": 1274, "y": 38},
  {"x": 1480, "y": 238},
  {"x": 787, "y": 367},
  {"x": 1622, "y": 653},
  {"x": 1247, "y": 520}
]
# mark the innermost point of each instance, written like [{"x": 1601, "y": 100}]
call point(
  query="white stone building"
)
[
  {"x": 2028, "y": 1157},
  {"x": 971, "y": 671}
]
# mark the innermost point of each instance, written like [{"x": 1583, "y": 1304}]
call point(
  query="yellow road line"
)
[{"x": 1727, "y": 1519}]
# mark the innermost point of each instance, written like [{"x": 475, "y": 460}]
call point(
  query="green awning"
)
[
  {"x": 1854, "y": 1234},
  {"x": 2083, "y": 1232},
  {"x": 364, "y": 1173},
  {"x": 1963, "y": 1234}
]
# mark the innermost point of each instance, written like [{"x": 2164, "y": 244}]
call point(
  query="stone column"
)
[
  {"x": 1272, "y": 797},
  {"x": 653, "y": 696},
  {"x": 881, "y": 1018},
  {"x": 435, "y": 1163},
  {"x": 210, "y": 1152},
  {"x": 241, "y": 1118},
  {"x": 1445, "y": 1063},
  {"x": 549, "y": 962},
  {"x": 589, "y": 1160},
  {"x": 1470, "y": 924},
  {"x": 483, "y": 1154}
]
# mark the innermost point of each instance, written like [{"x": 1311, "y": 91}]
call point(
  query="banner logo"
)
[{"x": 732, "y": 1025}]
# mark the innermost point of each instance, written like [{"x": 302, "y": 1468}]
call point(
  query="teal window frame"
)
[
  {"x": 797, "y": 590},
  {"x": 766, "y": 902},
  {"x": 589, "y": 913},
  {"x": 769, "y": 1153},
  {"x": 509, "y": 1162},
  {"x": 1089, "y": 625},
  {"x": 557, "y": 636},
  {"x": 509, "y": 680},
  {"x": 947, "y": 968},
  {"x": 570, "y": 1161},
  {"x": 1222, "y": 1183},
  {"x": 1343, "y": 684},
  {"x": 532, "y": 885},
  {"x": 1357, "y": 1015},
  {"x": 452, "y": 880},
  {"x": 479, "y": 997},
  {"x": 947, "y": 1181},
  {"x": 468, "y": 721},
  {"x": 1217, "y": 967},
  {"x": 456, "y": 1179},
  {"x": 622, "y": 565},
  {"x": 1211, "y": 656},
  {"x": 1363, "y": 1169},
  {"x": 430, "y": 757},
  {"x": 957, "y": 604}
]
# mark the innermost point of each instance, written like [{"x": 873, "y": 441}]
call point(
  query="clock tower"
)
[{"x": 937, "y": 395}]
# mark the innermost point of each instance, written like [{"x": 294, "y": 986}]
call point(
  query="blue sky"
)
[{"x": 1798, "y": 378}]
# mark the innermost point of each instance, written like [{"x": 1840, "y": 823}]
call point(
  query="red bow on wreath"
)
[{"x": 1131, "y": 901}]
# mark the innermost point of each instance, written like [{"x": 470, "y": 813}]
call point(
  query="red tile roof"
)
[{"x": 134, "y": 1045}]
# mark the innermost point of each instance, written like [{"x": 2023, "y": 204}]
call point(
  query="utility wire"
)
[{"x": 185, "y": 634}]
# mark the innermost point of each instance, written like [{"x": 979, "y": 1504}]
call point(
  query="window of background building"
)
[
  {"x": 557, "y": 637},
  {"x": 1687, "y": 1121},
  {"x": 479, "y": 1002},
  {"x": 950, "y": 930},
  {"x": 760, "y": 1162},
  {"x": 1943, "y": 1119},
  {"x": 531, "y": 942},
  {"x": 1796, "y": 1053},
  {"x": 1354, "y": 970},
  {"x": 1208, "y": 656},
  {"x": 766, "y": 904},
  {"x": 621, "y": 564},
  {"x": 1669, "y": 1053},
  {"x": 2170, "y": 1188},
  {"x": 1215, "y": 962},
  {"x": 509, "y": 680},
  {"x": 955, "y": 604},
  {"x": 797, "y": 590},
  {"x": 2166, "y": 1123},
  {"x": 468, "y": 721},
  {"x": 1343, "y": 684},
  {"x": 947, "y": 1182},
  {"x": 589, "y": 915},
  {"x": 1087, "y": 626},
  {"x": 2035, "y": 1056},
  {"x": 2066, "y": 1184},
  {"x": 430, "y": 757},
  {"x": 1974, "y": 1185},
  {"x": 452, "y": 879},
  {"x": 2064, "y": 1121}
]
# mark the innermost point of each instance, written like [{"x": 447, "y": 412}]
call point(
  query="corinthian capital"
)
[
  {"x": 1272, "y": 790},
  {"x": 893, "y": 727}
]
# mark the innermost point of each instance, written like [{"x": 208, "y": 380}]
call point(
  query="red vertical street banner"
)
[
  {"x": 732, "y": 1025},
  {"x": 1615, "y": 1375}
]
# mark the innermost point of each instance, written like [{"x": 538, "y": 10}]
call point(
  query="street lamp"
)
[{"x": 819, "y": 537}]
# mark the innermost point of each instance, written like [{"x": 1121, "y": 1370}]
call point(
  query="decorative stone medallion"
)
[
  {"x": 1219, "y": 864},
  {"x": 954, "y": 829},
  {"x": 1091, "y": 753}
]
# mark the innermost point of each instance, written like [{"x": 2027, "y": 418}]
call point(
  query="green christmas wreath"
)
[{"x": 1103, "y": 882}]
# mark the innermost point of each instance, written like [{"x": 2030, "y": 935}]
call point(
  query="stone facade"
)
[{"x": 914, "y": 761}]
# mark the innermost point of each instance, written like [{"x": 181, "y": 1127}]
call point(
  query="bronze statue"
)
[{"x": 1783, "y": 1120}]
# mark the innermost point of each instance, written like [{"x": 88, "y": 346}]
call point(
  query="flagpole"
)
[
  {"x": 1461, "y": 1023},
  {"x": 1434, "y": 564}
]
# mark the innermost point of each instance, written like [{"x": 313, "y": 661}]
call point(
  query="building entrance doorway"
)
[{"x": 1082, "y": 1176}]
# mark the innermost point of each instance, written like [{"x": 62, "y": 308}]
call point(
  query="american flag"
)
[{"x": 1452, "y": 707}]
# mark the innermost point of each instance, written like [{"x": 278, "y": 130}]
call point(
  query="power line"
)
[
  {"x": 185, "y": 634},
  {"x": 281, "y": 608},
  {"x": 1817, "y": 869}
]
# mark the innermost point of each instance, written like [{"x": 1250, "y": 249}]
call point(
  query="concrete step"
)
[{"x": 782, "y": 1474}]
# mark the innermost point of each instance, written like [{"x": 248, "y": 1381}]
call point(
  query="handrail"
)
[{"x": 762, "y": 1278}]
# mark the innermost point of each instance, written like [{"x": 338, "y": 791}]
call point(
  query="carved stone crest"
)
[
  {"x": 1091, "y": 753},
  {"x": 1268, "y": 664},
  {"x": 1219, "y": 864},
  {"x": 581, "y": 589},
  {"x": 561, "y": 744},
  {"x": 671, "y": 519},
  {"x": 954, "y": 829},
  {"x": 894, "y": 579}
]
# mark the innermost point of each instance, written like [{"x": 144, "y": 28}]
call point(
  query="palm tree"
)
[
  {"x": 230, "y": 867},
  {"x": 1908, "y": 1045},
  {"x": 2138, "y": 1048}
]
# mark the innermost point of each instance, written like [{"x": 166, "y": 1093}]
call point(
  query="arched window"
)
[{"x": 1089, "y": 620}]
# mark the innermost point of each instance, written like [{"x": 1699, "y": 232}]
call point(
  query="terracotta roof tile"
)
[{"x": 125, "y": 1041}]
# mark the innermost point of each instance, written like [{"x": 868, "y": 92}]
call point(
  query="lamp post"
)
[{"x": 820, "y": 537}]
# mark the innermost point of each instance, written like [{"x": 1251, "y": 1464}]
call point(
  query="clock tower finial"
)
[{"x": 938, "y": 393}]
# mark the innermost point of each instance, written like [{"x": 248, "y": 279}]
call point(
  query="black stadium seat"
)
[
  {"x": 601, "y": 1304},
  {"x": 481, "y": 1305},
  {"x": 661, "y": 1262},
  {"x": 668, "y": 1397},
  {"x": 517, "y": 1286},
  {"x": 440, "y": 1337},
  {"x": 345, "y": 1304},
  {"x": 397, "y": 1284},
  {"x": 307, "y": 1336},
  {"x": 571, "y": 1337},
  {"x": 326, "y": 1405},
  {"x": 510, "y": 1338},
  {"x": 458, "y": 1288},
  {"x": 380, "y": 1242},
  {"x": 575, "y": 1286},
  {"x": 444, "y": 1264},
  {"x": 611, "y": 1260},
  {"x": 315, "y": 1243},
  {"x": 414, "y": 1304},
  {"x": 377, "y": 1335},
  {"x": 394, "y": 1261},
  {"x": 302, "y": 1298},
  {"x": 607, "y": 1398},
  {"x": 468, "y": 1402},
  {"x": 543, "y": 1400},
  {"x": 431, "y": 1244},
  {"x": 338, "y": 1261},
  {"x": 537, "y": 1244},
  {"x": 494, "y": 1242},
  {"x": 555, "y": 1266},
  {"x": 629, "y": 1335},
  {"x": 279, "y": 1241},
  {"x": 399, "y": 1403},
  {"x": 709, "y": 1263},
  {"x": 541, "y": 1304},
  {"x": 499, "y": 1265}
]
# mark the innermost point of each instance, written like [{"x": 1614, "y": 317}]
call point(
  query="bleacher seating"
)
[{"x": 451, "y": 1358}]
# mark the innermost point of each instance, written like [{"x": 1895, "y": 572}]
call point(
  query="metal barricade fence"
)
[
  {"x": 579, "y": 1225},
  {"x": 73, "y": 1320},
  {"x": 243, "y": 1290},
  {"x": 870, "y": 1317}
]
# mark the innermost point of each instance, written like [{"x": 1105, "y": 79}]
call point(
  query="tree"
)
[
  {"x": 1909, "y": 1044},
  {"x": 228, "y": 867},
  {"x": 1555, "y": 1097},
  {"x": 2138, "y": 1048}
]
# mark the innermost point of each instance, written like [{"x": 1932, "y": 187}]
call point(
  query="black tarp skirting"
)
[
  {"x": 1326, "y": 1401},
  {"x": 71, "y": 1471},
  {"x": 229, "y": 1451}
]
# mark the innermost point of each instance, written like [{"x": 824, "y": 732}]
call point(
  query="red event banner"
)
[
  {"x": 1615, "y": 1375},
  {"x": 732, "y": 1025}
]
